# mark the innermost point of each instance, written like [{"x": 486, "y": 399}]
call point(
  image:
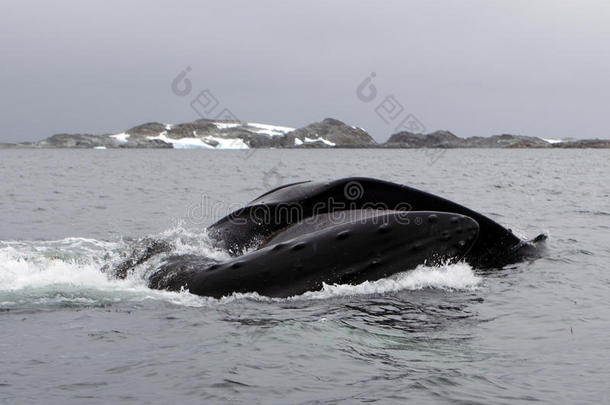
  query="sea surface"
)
[{"x": 536, "y": 331}]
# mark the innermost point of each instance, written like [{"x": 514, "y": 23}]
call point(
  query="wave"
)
[{"x": 67, "y": 272}]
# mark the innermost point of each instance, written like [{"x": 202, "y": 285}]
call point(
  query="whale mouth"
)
[
  {"x": 254, "y": 224},
  {"x": 303, "y": 236}
]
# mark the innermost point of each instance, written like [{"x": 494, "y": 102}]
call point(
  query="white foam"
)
[
  {"x": 122, "y": 137},
  {"x": 187, "y": 241},
  {"x": 57, "y": 282},
  {"x": 30, "y": 266},
  {"x": 99, "y": 147},
  {"x": 458, "y": 276},
  {"x": 298, "y": 142},
  {"x": 69, "y": 272},
  {"x": 20, "y": 273}
]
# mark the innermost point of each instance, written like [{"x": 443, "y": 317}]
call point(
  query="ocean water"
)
[{"x": 534, "y": 331}]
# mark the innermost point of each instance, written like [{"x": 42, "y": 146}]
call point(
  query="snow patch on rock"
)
[
  {"x": 207, "y": 142},
  {"x": 319, "y": 139},
  {"x": 271, "y": 130},
  {"x": 122, "y": 137},
  {"x": 225, "y": 125}
]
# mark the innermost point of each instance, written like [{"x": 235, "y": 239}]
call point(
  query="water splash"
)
[
  {"x": 68, "y": 272},
  {"x": 459, "y": 276}
]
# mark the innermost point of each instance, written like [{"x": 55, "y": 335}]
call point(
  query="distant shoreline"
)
[{"x": 327, "y": 134}]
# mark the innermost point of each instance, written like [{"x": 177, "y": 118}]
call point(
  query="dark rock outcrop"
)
[
  {"x": 326, "y": 133},
  {"x": 192, "y": 129},
  {"x": 505, "y": 141},
  {"x": 84, "y": 141},
  {"x": 445, "y": 139},
  {"x": 148, "y": 129},
  {"x": 438, "y": 139}
]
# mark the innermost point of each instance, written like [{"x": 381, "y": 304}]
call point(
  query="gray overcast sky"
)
[{"x": 538, "y": 68}]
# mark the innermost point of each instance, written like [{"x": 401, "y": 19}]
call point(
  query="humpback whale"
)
[{"x": 298, "y": 236}]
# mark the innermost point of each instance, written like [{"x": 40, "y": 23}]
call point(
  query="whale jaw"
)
[{"x": 368, "y": 248}]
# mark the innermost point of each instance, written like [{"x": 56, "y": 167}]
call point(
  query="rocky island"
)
[{"x": 329, "y": 133}]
